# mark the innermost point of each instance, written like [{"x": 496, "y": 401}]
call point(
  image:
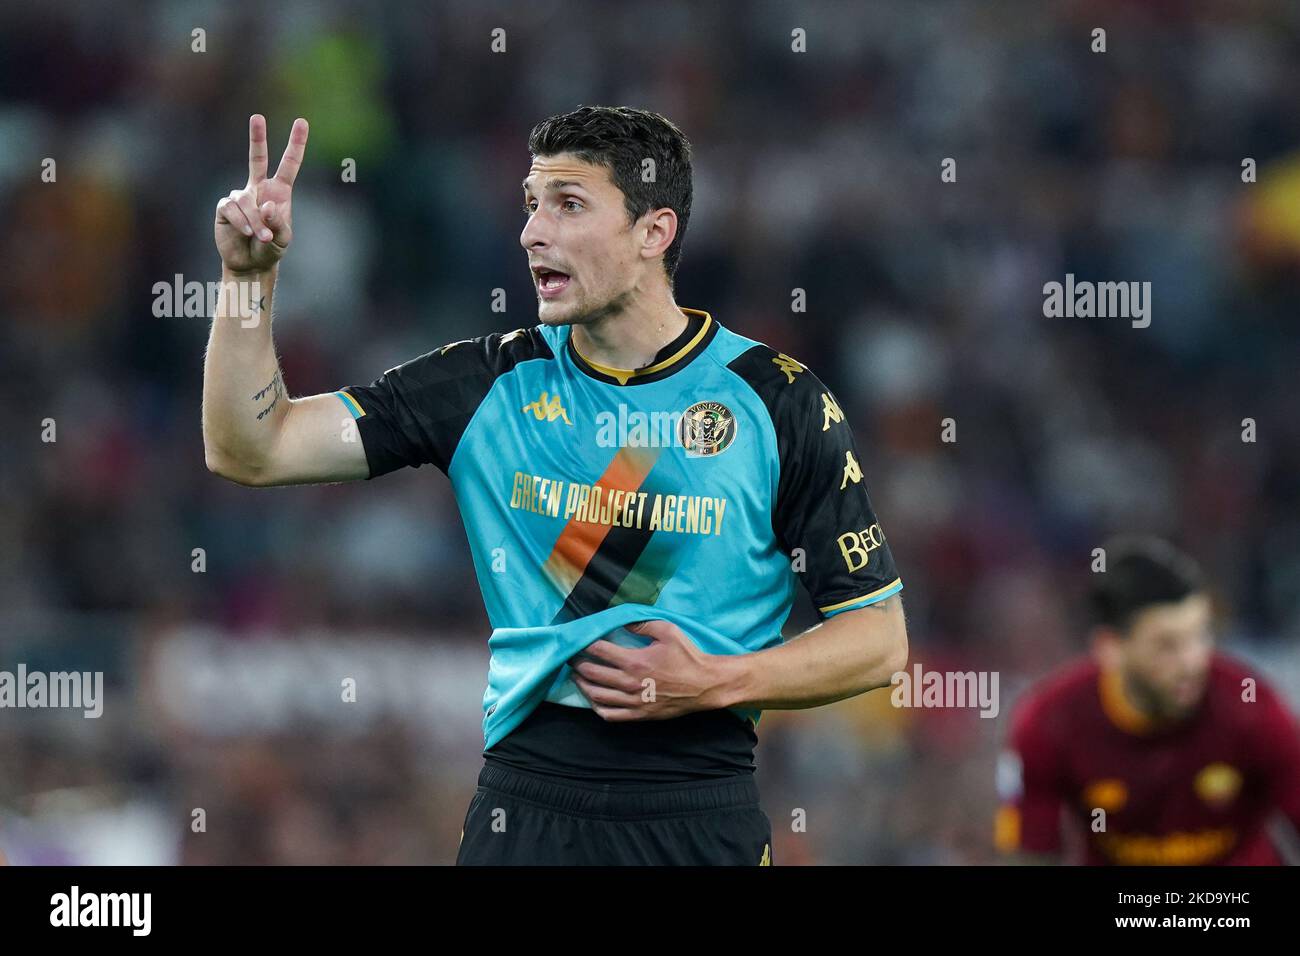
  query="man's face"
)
[
  {"x": 1165, "y": 657},
  {"x": 578, "y": 227}
]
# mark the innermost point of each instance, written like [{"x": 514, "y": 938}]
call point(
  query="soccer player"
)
[
  {"x": 641, "y": 487},
  {"x": 1159, "y": 749}
]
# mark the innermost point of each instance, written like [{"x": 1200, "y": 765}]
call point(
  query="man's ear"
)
[{"x": 661, "y": 230}]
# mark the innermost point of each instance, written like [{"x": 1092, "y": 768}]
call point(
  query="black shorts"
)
[{"x": 525, "y": 819}]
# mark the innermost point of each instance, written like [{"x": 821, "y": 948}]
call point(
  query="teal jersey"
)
[{"x": 697, "y": 490}]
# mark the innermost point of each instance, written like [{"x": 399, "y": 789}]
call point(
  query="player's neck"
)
[{"x": 631, "y": 339}]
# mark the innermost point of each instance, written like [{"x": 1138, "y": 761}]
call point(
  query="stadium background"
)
[{"x": 817, "y": 171}]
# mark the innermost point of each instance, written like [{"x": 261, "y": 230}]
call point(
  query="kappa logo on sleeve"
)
[
  {"x": 852, "y": 471},
  {"x": 831, "y": 412},
  {"x": 791, "y": 367},
  {"x": 451, "y": 345}
]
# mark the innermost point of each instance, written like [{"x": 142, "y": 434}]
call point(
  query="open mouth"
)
[{"x": 550, "y": 282}]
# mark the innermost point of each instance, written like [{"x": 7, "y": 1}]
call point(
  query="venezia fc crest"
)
[{"x": 707, "y": 428}]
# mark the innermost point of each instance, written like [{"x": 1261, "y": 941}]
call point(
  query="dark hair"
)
[
  {"x": 621, "y": 139},
  {"x": 1140, "y": 571}
]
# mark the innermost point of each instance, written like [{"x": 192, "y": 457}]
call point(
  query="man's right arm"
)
[{"x": 253, "y": 433}]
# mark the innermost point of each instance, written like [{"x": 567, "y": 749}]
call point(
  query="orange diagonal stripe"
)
[{"x": 580, "y": 539}]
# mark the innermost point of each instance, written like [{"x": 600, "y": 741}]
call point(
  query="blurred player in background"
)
[
  {"x": 1156, "y": 750},
  {"x": 642, "y": 490}
]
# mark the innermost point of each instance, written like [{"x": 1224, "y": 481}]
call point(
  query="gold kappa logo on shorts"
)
[{"x": 767, "y": 855}]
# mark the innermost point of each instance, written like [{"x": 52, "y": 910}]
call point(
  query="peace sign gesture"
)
[{"x": 254, "y": 225}]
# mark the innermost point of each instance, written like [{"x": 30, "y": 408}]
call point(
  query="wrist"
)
[
  {"x": 733, "y": 680},
  {"x": 249, "y": 275}
]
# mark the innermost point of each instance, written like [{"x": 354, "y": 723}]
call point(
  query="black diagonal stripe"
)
[{"x": 609, "y": 566}]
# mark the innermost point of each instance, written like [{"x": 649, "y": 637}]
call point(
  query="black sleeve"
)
[
  {"x": 417, "y": 412},
  {"x": 822, "y": 515}
]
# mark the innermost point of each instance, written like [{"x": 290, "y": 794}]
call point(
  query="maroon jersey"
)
[{"x": 1198, "y": 791}]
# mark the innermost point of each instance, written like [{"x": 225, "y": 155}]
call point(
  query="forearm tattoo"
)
[{"x": 273, "y": 385}]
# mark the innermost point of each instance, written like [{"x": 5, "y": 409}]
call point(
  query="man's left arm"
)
[
  {"x": 823, "y": 518},
  {"x": 842, "y": 657}
]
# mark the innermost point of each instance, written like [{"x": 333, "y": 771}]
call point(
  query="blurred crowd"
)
[{"x": 817, "y": 171}]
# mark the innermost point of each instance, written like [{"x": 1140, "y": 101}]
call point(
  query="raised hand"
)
[{"x": 254, "y": 225}]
